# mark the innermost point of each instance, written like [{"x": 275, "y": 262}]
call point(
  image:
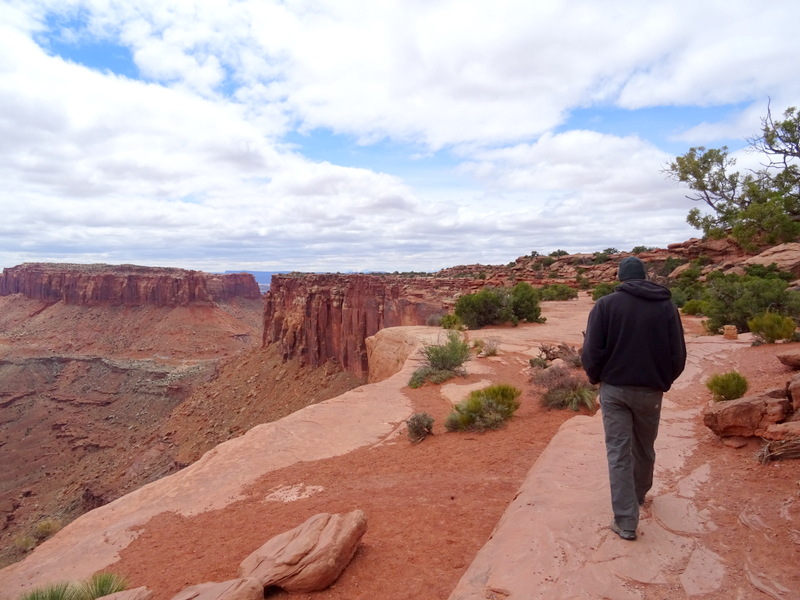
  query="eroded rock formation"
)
[
  {"x": 317, "y": 318},
  {"x": 99, "y": 284}
]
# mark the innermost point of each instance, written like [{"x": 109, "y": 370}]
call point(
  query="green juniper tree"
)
[{"x": 759, "y": 207}]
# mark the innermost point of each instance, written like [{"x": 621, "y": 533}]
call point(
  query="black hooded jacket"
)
[{"x": 634, "y": 337}]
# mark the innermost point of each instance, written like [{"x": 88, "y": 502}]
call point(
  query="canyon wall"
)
[
  {"x": 316, "y": 318},
  {"x": 131, "y": 285}
]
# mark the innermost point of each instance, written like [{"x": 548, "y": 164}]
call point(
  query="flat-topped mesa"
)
[
  {"x": 130, "y": 285},
  {"x": 316, "y": 318}
]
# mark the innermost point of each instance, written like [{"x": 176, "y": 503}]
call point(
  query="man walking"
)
[{"x": 634, "y": 348}]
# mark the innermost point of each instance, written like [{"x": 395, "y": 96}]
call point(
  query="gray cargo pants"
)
[{"x": 630, "y": 419}]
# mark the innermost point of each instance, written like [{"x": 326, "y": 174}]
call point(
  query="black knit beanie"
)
[{"x": 631, "y": 267}]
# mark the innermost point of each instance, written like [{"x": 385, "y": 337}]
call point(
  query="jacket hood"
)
[{"x": 644, "y": 289}]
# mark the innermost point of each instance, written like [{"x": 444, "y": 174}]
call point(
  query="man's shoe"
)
[{"x": 625, "y": 534}]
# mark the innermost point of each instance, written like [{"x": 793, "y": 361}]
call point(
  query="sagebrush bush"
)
[
  {"x": 46, "y": 528},
  {"x": 603, "y": 289},
  {"x": 570, "y": 397},
  {"x": 487, "y": 408},
  {"x": 558, "y": 291},
  {"x": 727, "y": 386},
  {"x": 693, "y": 307},
  {"x": 540, "y": 362},
  {"x": 450, "y": 321},
  {"x": 449, "y": 355},
  {"x": 420, "y": 426},
  {"x": 442, "y": 361},
  {"x": 495, "y": 306},
  {"x": 566, "y": 388},
  {"x": 770, "y": 327},
  {"x": 24, "y": 543}
]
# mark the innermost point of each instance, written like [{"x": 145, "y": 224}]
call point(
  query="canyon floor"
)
[{"x": 729, "y": 522}]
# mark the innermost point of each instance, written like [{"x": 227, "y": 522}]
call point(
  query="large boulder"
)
[
  {"x": 235, "y": 589},
  {"x": 748, "y": 416},
  {"x": 311, "y": 556}
]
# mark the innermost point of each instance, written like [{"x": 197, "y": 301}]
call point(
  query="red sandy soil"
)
[{"x": 431, "y": 506}]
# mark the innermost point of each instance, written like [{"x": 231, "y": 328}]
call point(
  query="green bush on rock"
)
[{"x": 488, "y": 408}]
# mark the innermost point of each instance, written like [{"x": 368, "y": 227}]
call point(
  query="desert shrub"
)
[
  {"x": 45, "y": 528},
  {"x": 565, "y": 352},
  {"x": 442, "y": 361},
  {"x": 436, "y": 376},
  {"x": 727, "y": 386},
  {"x": 770, "y": 327},
  {"x": 558, "y": 291},
  {"x": 603, "y": 289},
  {"x": 559, "y": 252},
  {"x": 54, "y": 591},
  {"x": 538, "y": 362},
  {"x": 693, "y": 307},
  {"x": 487, "y": 347},
  {"x": 495, "y": 306},
  {"x": 24, "y": 543},
  {"x": 525, "y": 303},
  {"x": 484, "y": 409},
  {"x": 420, "y": 426},
  {"x": 733, "y": 299},
  {"x": 448, "y": 356},
  {"x": 451, "y": 321},
  {"x": 565, "y": 389},
  {"x": 99, "y": 585},
  {"x": 488, "y": 306}
]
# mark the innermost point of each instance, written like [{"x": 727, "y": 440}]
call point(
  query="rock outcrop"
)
[
  {"x": 130, "y": 285},
  {"x": 317, "y": 318},
  {"x": 749, "y": 416},
  {"x": 309, "y": 557}
]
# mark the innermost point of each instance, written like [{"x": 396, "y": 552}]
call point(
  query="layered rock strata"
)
[
  {"x": 317, "y": 318},
  {"x": 131, "y": 285}
]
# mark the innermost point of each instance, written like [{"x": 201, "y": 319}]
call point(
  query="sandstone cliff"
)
[
  {"x": 131, "y": 285},
  {"x": 317, "y": 318}
]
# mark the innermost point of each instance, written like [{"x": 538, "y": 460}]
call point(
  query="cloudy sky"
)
[{"x": 339, "y": 135}]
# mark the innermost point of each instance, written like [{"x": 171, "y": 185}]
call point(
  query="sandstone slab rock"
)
[
  {"x": 309, "y": 557},
  {"x": 785, "y": 256},
  {"x": 790, "y": 359},
  {"x": 140, "y": 593},
  {"x": 748, "y": 416},
  {"x": 247, "y": 588}
]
